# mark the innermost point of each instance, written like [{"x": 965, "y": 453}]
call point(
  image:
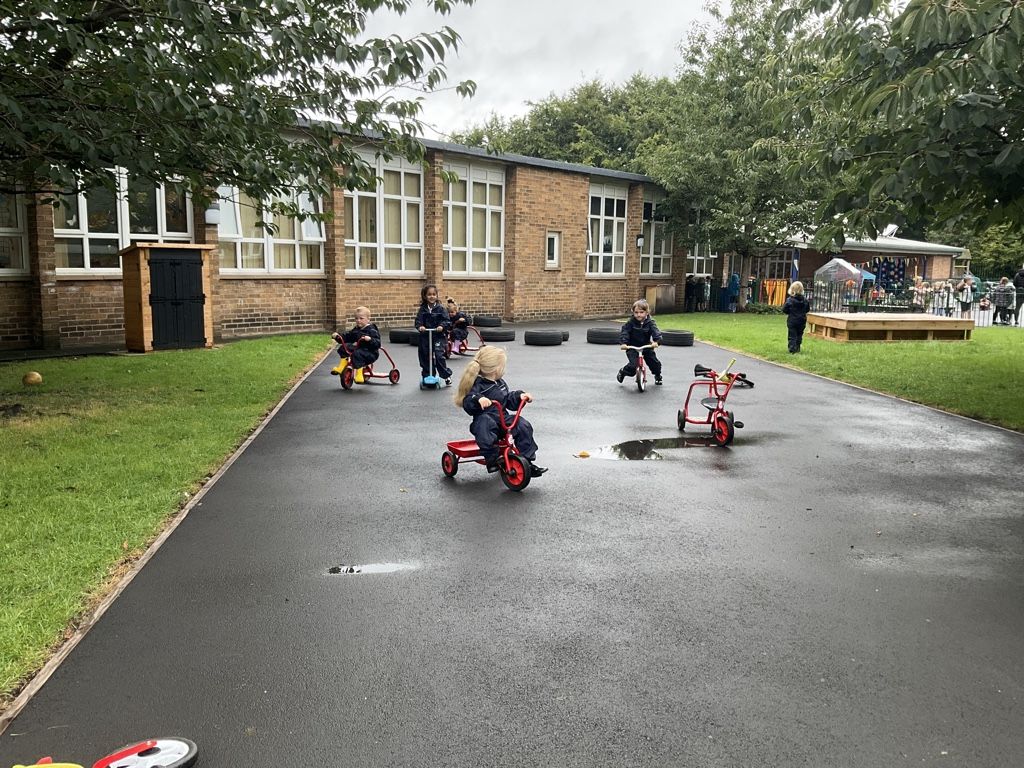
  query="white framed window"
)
[
  {"x": 90, "y": 227},
  {"x": 13, "y": 236},
  {"x": 289, "y": 246},
  {"x": 701, "y": 261},
  {"x": 384, "y": 224},
  {"x": 553, "y": 250},
  {"x": 474, "y": 220},
  {"x": 777, "y": 265},
  {"x": 606, "y": 248},
  {"x": 961, "y": 265},
  {"x": 656, "y": 258}
]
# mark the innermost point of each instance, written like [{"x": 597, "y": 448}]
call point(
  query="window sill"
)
[
  {"x": 617, "y": 276},
  {"x": 351, "y": 274},
  {"x": 90, "y": 274},
  {"x": 260, "y": 274},
  {"x": 13, "y": 276},
  {"x": 456, "y": 276}
]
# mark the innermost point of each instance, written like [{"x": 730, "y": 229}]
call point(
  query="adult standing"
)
[
  {"x": 965, "y": 295},
  {"x": 691, "y": 292},
  {"x": 1002, "y": 301},
  {"x": 1018, "y": 284}
]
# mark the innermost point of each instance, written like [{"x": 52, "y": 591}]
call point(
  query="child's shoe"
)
[
  {"x": 620, "y": 375},
  {"x": 657, "y": 379},
  {"x": 448, "y": 381},
  {"x": 336, "y": 370},
  {"x": 360, "y": 379},
  {"x": 536, "y": 471},
  {"x": 491, "y": 463}
]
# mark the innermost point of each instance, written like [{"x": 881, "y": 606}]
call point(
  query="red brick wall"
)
[
  {"x": 16, "y": 319},
  {"x": 252, "y": 307},
  {"x": 90, "y": 312}
]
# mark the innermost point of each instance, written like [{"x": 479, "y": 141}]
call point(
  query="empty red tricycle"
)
[
  {"x": 348, "y": 375},
  {"x": 719, "y": 385},
  {"x": 514, "y": 467}
]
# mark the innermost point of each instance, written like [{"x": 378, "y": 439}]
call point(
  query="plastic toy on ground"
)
[
  {"x": 348, "y": 376},
  {"x": 516, "y": 470},
  {"x": 431, "y": 380},
  {"x": 641, "y": 367},
  {"x": 166, "y": 752},
  {"x": 718, "y": 386}
]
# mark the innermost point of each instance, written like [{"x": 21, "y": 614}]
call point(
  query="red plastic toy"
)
[
  {"x": 641, "y": 367},
  {"x": 348, "y": 375},
  {"x": 514, "y": 468},
  {"x": 464, "y": 348},
  {"x": 166, "y": 752},
  {"x": 719, "y": 385}
]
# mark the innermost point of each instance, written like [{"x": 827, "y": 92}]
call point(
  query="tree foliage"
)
[
  {"x": 209, "y": 92},
  {"x": 917, "y": 112}
]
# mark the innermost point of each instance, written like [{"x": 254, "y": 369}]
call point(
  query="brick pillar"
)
[
  {"x": 334, "y": 258},
  {"x": 510, "y": 242},
  {"x": 634, "y": 226},
  {"x": 42, "y": 258},
  {"x": 433, "y": 221}
]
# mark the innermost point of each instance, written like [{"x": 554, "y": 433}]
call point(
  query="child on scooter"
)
[
  {"x": 480, "y": 386},
  {"x": 435, "y": 317},
  {"x": 640, "y": 330},
  {"x": 459, "y": 326},
  {"x": 363, "y": 343}
]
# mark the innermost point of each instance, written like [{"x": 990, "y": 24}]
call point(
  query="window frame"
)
[
  {"x": 19, "y": 233},
  {"x": 493, "y": 248},
  {"x": 703, "y": 257},
  {"x": 654, "y": 227},
  {"x": 553, "y": 256},
  {"x": 611, "y": 227},
  {"x": 231, "y": 204},
  {"x": 123, "y": 236},
  {"x": 354, "y": 247},
  {"x": 776, "y": 265}
]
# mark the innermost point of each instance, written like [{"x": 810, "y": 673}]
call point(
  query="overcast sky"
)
[{"x": 519, "y": 51}]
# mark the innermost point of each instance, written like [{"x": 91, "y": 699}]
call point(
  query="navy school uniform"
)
[
  {"x": 796, "y": 309},
  {"x": 637, "y": 334},
  {"x": 460, "y": 330},
  {"x": 486, "y": 424},
  {"x": 432, "y": 317},
  {"x": 366, "y": 352}
]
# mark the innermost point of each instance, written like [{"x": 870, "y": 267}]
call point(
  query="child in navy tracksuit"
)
[
  {"x": 480, "y": 387},
  {"x": 459, "y": 326},
  {"x": 434, "y": 316},
  {"x": 796, "y": 307},
  {"x": 639, "y": 331},
  {"x": 363, "y": 343}
]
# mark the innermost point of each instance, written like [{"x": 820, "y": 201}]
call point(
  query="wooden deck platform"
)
[{"x": 870, "y": 326}]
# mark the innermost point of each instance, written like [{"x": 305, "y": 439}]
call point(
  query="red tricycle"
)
[
  {"x": 168, "y": 752},
  {"x": 454, "y": 347},
  {"x": 641, "y": 366},
  {"x": 348, "y": 376},
  {"x": 719, "y": 385},
  {"x": 515, "y": 469}
]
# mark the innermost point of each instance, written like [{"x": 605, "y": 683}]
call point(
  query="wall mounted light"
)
[
  {"x": 640, "y": 241},
  {"x": 212, "y": 215}
]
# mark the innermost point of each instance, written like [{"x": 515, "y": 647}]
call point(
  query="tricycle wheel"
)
[
  {"x": 516, "y": 472},
  {"x": 681, "y": 421},
  {"x": 449, "y": 464},
  {"x": 347, "y": 377},
  {"x": 169, "y": 752},
  {"x": 722, "y": 429},
  {"x": 641, "y": 380},
  {"x": 393, "y": 376}
]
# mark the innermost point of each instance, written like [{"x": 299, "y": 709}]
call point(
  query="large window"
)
[
  {"x": 384, "y": 224},
  {"x": 777, "y": 265},
  {"x": 474, "y": 220},
  {"x": 701, "y": 261},
  {"x": 91, "y": 227},
  {"x": 656, "y": 258},
  {"x": 13, "y": 237},
  {"x": 287, "y": 245},
  {"x": 606, "y": 250}
]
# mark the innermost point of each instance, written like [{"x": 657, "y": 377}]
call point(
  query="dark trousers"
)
[
  {"x": 796, "y": 334},
  {"x": 486, "y": 427},
  {"x": 649, "y": 357},
  {"x": 459, "y": 334},
  {"x": 1003, "y": 313},
  {"x": 1016, "y": 310},
  {"x": 361, "y": 358},
  {"x": 440, "y": 369}
]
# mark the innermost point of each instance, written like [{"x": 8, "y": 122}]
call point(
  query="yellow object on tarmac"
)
[{"x": 359, "y": 376}]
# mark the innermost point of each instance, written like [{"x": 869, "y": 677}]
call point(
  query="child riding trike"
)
[
  {"x": 515, "y": 468},
  {"x": 350, "y": 376},
  {"x": 454, "y": 346},
  {"x": 641, "y": 367},
  {"x": 719, "y": 385},
  {"x": 168, "y": 752}
]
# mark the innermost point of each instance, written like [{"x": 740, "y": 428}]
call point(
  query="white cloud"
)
[{"x": 520, "y": 51}]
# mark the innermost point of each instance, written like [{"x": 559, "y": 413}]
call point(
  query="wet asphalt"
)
[{"x": 843, "y": 586}]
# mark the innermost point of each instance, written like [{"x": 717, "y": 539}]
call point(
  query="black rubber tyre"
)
[
  {"x": 394, "y": 375},
  {"x": 414, "y": 338},
  {"x": 486, "y": 321},
  {"x": 497, "y": 334},
  {"x": 449, "y": 464},
  {"x": 681, "y": 421},
  {"x": 565, "y": 335},
  {"x": 641, "y": 381},
  {"x": 677, "y": 338},
  {"x": 722, "y": 429},
  {"x": 401, "y": 335},
  {"x": 347, "y": 377},
  {"x": 542, "y": 338},
  {"x": 602, "y": 335},
  {"x": 516, "y": 475}
]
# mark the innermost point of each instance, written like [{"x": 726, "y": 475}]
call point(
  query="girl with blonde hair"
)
[
  {"x": 796, "y": 307},
  {"x": 482, "y": 387}
]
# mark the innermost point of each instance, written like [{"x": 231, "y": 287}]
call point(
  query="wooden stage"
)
[{"x": 878, "y": 326}]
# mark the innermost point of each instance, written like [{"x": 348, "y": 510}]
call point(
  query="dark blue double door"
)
[{"x": 176, "y": 298}]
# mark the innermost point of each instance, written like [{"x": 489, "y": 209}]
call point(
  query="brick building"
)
[{"x": 519, "y": 237}]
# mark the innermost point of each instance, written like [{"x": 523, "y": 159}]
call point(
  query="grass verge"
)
[
  {"x": 96, "y": 460},
  {"x": 980, "y": 378}
]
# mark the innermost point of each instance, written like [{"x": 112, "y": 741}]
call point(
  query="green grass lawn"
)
[
  {"x": 982, "y": 378},
  {"x": 95, "y": 460}
]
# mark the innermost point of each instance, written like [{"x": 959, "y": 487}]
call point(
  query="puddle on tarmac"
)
[
  {"x": 650, "y": 450},
  {"x": 370, "y": 568}
]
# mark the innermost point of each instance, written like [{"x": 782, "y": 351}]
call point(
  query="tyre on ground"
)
[
  {"x": 545, "y": 338},
  {"x": 677, "y": 338},
  {"x": 497, "y": 334},
  {"x": 602, "y": 335}
]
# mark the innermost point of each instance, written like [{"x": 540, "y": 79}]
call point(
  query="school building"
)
[{"x": 523, "y": 238}]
